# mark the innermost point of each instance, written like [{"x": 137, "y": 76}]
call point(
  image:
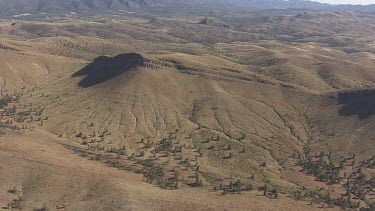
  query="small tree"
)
[
  {"x": 238, "y": 186},
  {"x": 275, "y": 193},
  {"x": 198, "y": 181},
  {"x": 265, "y": 189}
]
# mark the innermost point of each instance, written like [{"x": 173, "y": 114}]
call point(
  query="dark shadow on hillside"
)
[
  {"x": 360, "y": 103},
  {"x": 105, "y": 68}
]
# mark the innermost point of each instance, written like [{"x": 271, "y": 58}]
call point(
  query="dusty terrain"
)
[
  {"x": 49, "y": 175},
  {"x": 185, "y": 111}
]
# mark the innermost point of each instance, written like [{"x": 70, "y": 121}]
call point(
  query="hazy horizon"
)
[{"x": 362, "y": 2}]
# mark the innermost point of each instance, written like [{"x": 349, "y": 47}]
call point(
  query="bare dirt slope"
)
[
  {"x": 193, "y": 108},
  {"x": 46, "y": 174},
  {"x": 230, "y": 121}
]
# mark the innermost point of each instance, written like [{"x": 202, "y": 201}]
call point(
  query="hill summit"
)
[
  {"x": 105, "y": 68},
  {"x": 209, "y": 21}
]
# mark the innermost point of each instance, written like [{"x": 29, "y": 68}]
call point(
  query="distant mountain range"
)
[
  {"x": 15, "y": 7},
  {"x": 295, "y": 4}
]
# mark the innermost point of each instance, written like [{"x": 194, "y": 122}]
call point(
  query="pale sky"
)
[{"x": 347, "y": 1}]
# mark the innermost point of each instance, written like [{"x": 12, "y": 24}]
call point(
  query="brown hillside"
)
[{"x": 274, "y": 113}]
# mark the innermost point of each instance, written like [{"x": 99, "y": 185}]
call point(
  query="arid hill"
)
[
  {"x": 213, "y": 22},
  {"x": 275, "y": 112}
]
